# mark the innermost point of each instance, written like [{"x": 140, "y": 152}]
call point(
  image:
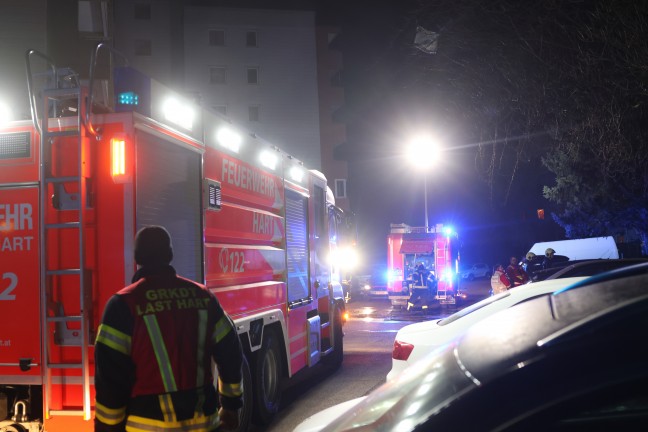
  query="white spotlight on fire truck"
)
[
  {"x": 297, "y": 174},
  {"x": 229, "y": 139},
  {"x": 180, "y": 113},
  {"x": 268, "y": 159},
  {"x": 347, "y": 258},
  {"x": 5, "y": 113}
]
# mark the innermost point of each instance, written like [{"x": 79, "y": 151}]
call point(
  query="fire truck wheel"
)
[
  {"x": 14, "y": 428},
  {"x": 245, "y": 414},
  {"x": 335, "y": 358},
  {"x": 266, "y": 377}
]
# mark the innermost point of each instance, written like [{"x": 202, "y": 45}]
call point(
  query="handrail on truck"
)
[
  {"x": 93, "y": 66},
  {"x": 30, "y": 83}
]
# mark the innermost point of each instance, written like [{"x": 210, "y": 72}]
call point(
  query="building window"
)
[
  {"x": 142, "y": 11},
  {"x": 340, "y": 188},
  {"x": 91, "y": 20},
  {"x": 251, "y": 39},
  {"x": 253, "y": 113},
  {"x": 217, "y": 75},
  {"x": 143, "y": 47},
  {"x": 253, "y": 75},
  {"x": 217, "y": 37},
  {"x": 220, "y": 108}
]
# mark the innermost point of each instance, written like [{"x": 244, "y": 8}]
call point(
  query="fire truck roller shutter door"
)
[{"x": 168, "y": 193}]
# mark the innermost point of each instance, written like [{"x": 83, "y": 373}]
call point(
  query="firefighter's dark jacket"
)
[{"x": 153, "y": 356}]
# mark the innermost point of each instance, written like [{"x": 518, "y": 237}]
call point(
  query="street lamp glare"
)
[{"x": 423, "y": 151}]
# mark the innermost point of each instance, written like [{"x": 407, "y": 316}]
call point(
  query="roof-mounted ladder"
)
[{"x": 58, "y": 95}]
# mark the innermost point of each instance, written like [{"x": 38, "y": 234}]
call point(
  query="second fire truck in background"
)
[{"x": 437, "y": 250}]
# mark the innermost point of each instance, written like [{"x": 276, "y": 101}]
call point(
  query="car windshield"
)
[
  {"x": 475, "y": 307},
  {"x": 411, "y": 398}
]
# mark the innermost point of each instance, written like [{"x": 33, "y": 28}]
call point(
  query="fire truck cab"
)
[
  {"x": 102, "y": 158},
  {"x": 422, "y": 266}
]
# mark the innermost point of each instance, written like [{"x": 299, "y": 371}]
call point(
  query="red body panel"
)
[{"x": 19, "y": 282}]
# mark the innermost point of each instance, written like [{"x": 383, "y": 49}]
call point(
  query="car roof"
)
[
  {"x": 593, "y": 267},
  {"x": 549, "y": 318},
  {"x": 516, "y": 294},
  {"x": 519, "y": 293}
]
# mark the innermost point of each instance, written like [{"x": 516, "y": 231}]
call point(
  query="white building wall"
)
[
  {"x": 286, "y": 60},
  {"x": 157, "y": 29}
]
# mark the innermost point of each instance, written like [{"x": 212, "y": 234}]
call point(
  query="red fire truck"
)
[
  {"x": 89, "y": 170},
  {"x": 422, "y": 266}
]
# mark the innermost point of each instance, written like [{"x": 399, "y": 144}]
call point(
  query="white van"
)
[{"x": 579, "y": 249}]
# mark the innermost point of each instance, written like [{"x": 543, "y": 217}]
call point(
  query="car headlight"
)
[{"x": 366, "y": 287}]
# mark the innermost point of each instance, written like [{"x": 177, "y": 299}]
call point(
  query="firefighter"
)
[
  {"x": 421, "y": 275},
  {"x": 499, "y": 281},
  {"x": 154, "y": 349},
  {"x": 516, "y": 273},
  {"x": 551, "y": 258}
]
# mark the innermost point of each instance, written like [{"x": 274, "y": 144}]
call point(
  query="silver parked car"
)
[{"x": 478, "y": 270}]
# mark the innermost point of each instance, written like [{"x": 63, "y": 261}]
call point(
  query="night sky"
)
[{"x": 382, "y": 111}]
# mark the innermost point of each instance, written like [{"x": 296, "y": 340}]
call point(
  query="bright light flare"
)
[
  {"x": 180, "y": 113},
  {"x": 5, "y": 114},
  {"x": 229, "y": 139},
  {"x": 346, "y": 258},
  {"x": 296, "y": 174},
  {"x": 448, "y": 275},
  {"x": 268, "y": 159},
  {"x": 423, "y": 151}
]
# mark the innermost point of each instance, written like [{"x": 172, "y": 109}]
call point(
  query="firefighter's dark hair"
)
[{"x": 153, "y": 246}]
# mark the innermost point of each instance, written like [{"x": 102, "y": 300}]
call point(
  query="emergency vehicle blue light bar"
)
[
  {"x": 128, "y": 98},
  {"x": 132, "y": 91}
]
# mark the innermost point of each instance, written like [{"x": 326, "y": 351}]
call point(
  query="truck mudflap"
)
[{"x": 20, "y": 354}]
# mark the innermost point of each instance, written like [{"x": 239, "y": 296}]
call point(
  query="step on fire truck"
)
[
  {"x": 422, "y": 266},
  {"x": 89, "y": 170}
]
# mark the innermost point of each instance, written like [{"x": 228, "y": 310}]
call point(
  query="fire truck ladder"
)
[
  {"x": 440, "y": 262},
  {"x": 61, "y": 87}
]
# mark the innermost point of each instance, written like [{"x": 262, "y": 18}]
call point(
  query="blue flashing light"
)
[
  {"x": 128, "y": 98},
  {"x": 448, "y": 231},
  {"x": 448, "y": 275}
]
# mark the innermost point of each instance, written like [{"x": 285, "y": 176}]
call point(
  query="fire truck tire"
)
[
  {"x": 266, "y": 379},
  {"x": 14, "y": 428},
  {"x": 245, "y": 414},
  {"x": 334, "y": 359}
]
